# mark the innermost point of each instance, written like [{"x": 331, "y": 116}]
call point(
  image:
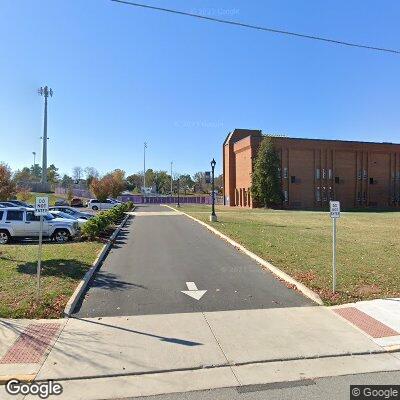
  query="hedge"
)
[{"x": 97, "y": 225}]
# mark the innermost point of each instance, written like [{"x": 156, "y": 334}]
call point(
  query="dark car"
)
[
  {"x": 61, "y": 202},
  {"x": 76, "y": 202},
  {"x": 19, "y": 203},
  {"x": 7, "y": 204}
]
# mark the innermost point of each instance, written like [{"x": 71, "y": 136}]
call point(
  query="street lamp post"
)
[
  {"x": 179, "y": 182},
  {"x": 213, "y": 216},
  {"x": 144, "y": 165},
  {"x": 172, "y": 193}
]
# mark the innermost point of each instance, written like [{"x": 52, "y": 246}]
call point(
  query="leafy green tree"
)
[
  {"x": 66, "y": 181},
  {"x": 150, "y": 177},
  {"x": 36, "y": 172},
  {"x": 186, "y": 183},
  {"x": 266, "y": 185},
  {"x": 135, "y": 182},
  {"x": 200, "y": 185},
  {"x": 52, "y": 174},
  {"x": 23, "y": 175},
  {"x": 163, "y": 182}
]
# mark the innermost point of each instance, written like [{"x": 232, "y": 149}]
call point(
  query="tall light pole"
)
[
  {"x": 45, "y": 92},
  {"x": 144, "y": 165},
  {"x": 213, "y": 216},
  {"x": 171, "y": 179}
]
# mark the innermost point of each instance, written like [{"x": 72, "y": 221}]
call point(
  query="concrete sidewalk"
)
[
  {"x": 95, "y": 347},
  {"x": 111, "y": 357},
  {"x": 379, "y": 318},
  {"x": 24, "y": 346}
]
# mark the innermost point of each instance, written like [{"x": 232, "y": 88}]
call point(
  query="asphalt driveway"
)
[{"x": 163, "y": 262}]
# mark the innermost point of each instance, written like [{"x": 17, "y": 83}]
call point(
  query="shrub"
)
[{"x": 98, "y": 224}]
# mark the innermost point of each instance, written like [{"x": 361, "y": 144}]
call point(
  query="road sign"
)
[
  {"x": 207, "y": 176},
  {"x": 335, "y": 213},
  {"x": 335, "y": 209},
  {"x": 41, "y": 205},
  {"x": 41, "y": 208}
]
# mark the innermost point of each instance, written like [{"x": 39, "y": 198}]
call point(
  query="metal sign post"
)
[
  {"x": 335, "y": 213},
  {"x": 41, "y": 208}
]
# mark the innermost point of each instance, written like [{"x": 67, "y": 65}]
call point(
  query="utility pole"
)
[
  {"x": 144, "y": 164},
  {"x": 45, "y": 92},
  {"x": 171, "y": 179}
]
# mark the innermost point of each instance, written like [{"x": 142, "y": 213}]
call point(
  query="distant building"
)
[{"x": 314, "y": 171}]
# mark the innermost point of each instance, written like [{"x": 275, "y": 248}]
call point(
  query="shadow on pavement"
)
[
  {"x": 162, "y": 338},
  {"x": 107, "y": 280}
]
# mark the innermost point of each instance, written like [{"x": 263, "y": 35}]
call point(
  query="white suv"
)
[
  {"x": 23, "y": 223},
  {"x": 95, "y": 204}
]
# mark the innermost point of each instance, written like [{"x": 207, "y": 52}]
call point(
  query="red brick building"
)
[{"x": 313, "y": 171}]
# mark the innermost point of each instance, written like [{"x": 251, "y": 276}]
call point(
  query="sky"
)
[{"x": 122, "y": 75}]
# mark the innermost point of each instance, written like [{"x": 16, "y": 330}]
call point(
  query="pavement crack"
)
[{"x": 222, "y": 350}]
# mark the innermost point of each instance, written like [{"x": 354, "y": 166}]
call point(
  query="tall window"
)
[
  {"x": 285, "y": 173},
  {"x": 318, "y": 194},
  {"x": 323, "y": 173},
  {"x": 285, "y": 193},
  {"x": 317, "y": 173}
]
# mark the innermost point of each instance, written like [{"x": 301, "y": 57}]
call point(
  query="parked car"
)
[
  {"x": 7, "y": 204},
  {"x": 60, "y": 214},
  {"x": 61, "y": 202},
  {"x": 21, "y": 222},
  {"x": 76, "y": 202},
  {"x": 95, "y": 204},
  {"x": 19, "y": 203},
  {"x": 71, "y": 211}
]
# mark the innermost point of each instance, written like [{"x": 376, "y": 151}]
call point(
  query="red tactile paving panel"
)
[
  {"x": 31, "y": 344},
  {"x": 368, "y": 324}
]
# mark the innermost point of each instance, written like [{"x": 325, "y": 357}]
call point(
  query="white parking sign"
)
[
  {"x": 335, "y": 209},
  {"x": 41, "y": 205}
]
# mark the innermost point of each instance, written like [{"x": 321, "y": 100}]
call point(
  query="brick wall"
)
[{"x": 358, "y": 174}]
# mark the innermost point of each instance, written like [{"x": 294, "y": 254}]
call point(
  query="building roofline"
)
[{"x": 333, "y": 140}]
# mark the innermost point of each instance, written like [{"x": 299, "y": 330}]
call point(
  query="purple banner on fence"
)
[{"x": 138, "y": 199}]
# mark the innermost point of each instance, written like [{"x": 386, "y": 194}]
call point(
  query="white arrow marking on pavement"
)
[{"x": 193, "y": 291}]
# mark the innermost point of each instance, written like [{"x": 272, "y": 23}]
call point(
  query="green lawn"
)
[
  {"x": 300, "y": 243},
  {"x": 63, "y": 267}
]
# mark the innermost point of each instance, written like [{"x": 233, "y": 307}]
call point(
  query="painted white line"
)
[{"x": 193, "y": 291}]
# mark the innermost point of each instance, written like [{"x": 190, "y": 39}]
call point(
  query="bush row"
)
[{"x": 104, "y": 219}]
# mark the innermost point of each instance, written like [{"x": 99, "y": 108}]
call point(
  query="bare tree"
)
[
  {"x": 91, "y": 172},
  {"x": 77, "y": 173}
]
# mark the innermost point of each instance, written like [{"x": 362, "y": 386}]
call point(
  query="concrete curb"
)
[
  {"x": 276, "y": 271},
  {"x": 69, "y": 308}
]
